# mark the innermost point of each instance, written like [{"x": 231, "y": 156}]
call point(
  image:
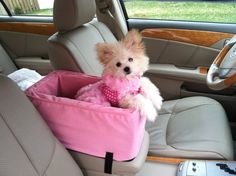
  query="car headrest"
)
[{"x": 70, "y": 14}]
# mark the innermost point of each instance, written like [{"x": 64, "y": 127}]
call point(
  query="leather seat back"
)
[
  {"x": 6, "y": 64},
  {"x": 73, "y": 46},
  {"x": 27, "y": 146}
]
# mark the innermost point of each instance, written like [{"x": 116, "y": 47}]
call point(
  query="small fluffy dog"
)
[{"x": 123, "y": 84}]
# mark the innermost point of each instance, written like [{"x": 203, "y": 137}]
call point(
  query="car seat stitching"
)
[
  {"x": 84, "y": 60},
  {"x": 97, "y": 28},
  {"x": 194, "y": 107},
  {"x": 59, "y": 44},
  {"x": 169, "y": 120},
  {"x": 197, "y": 151},
  {"x": 51, "y": 158},
  {"x": 17, "y": 140}
]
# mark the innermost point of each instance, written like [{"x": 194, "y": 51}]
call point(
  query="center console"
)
[
  {"x": 96, "y": 166},
  {"x": 174, "y": 167},
  {"x": 206, "y": 168},
  {"x": 153, "y": 166}
]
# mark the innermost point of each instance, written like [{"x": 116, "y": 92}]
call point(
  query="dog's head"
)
[{"x": 125, "y": 58}]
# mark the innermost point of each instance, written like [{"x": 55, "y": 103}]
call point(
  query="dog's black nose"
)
[{"x": 127, "y": 70}]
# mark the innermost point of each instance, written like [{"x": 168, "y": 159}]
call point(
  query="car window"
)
[
  {"x": 30, "y": 7},
  {"x": 3, "y": 12},
  {"x": 194, "y": 10}
]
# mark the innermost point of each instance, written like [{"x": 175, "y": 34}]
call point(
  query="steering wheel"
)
[{"x": 222, "y": 72}]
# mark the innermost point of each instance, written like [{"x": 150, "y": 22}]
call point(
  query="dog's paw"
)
[
  {"x": 140, "y": 103},
  {"x": 157, "y": 101},
  {"x": 148, "y": 110},
  {"x": 151, "y": 92}
]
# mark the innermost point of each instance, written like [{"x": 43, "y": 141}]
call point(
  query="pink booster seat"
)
[{"x": 82, "y": 126}]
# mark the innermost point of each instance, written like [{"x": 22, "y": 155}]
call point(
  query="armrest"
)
[
  {"x": 43, "y": 66},
  {"x": 94, "y": 164},
  {"x": 171, "y": 71}
]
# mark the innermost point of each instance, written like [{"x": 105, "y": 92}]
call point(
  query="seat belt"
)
[
  {"x": 108, "y": 163},
  {"x": 104, "y": 7}
]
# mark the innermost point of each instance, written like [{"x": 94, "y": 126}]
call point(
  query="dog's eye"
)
[
  {"x": 130, "y": 59},
  {"x": 118, "y": 64}
]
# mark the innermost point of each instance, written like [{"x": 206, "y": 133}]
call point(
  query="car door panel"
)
[
  {"x": 41, "y": 28},
  {"x": 180, "y": 55},
  {"x": 178, "y": 61},
  {"x": 197, "y": 37},
  {"x": 43, "y": 66},
  {"x": 184, "y": 25},
  {"x": 26, "y": 43},
  {"x": 180, "y": 50}
]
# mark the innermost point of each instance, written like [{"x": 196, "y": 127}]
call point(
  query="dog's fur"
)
[{"x": 126, "y": 60}]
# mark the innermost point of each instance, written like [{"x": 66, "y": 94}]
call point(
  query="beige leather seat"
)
[
  {"x": 27, "y": 146},
  {"x": 73, "y": 47},
  {"x": 193, "y": 127},
  {"x": 6, "y": 64}
]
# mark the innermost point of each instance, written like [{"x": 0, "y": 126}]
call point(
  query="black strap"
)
[{"x": 108, "y": 163}]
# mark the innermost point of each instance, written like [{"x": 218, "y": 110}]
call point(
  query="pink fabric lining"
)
[
  {"x": 82, "y": 126},
  {"x": 109, "y": 90}
]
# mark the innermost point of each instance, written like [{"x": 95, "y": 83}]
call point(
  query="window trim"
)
[
  {"x": 206, "y": 26},
  {"x": 124, "y": 9},
  {"x": 43, "y": 19},
  {"x": 166, "y": 20},
  {"x": 9, "y": 13},
  {"x": 6, "y": 8}
]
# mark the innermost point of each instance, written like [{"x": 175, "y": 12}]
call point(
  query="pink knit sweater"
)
[{"x": 109, "y": 90}]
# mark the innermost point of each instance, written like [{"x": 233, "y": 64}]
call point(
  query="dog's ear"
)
[
  {"x": 105, "y": 52},
  {"x": 133, "y": 41}
]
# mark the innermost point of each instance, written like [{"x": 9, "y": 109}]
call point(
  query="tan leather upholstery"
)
[
  {"x": 95, "y": 165},
  {"x": 6, "y": 64},
  {"x": 27, "y": 146},
  {"x": 194, "y": 127},
  {"x": 75, "y": 50},
  {"x": 70, "y": 48},
  {"x": 71, "y": 14}
]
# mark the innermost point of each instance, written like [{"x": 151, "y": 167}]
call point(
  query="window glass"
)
[
  {"x": 192, "y": 10},
  {"x": 2, "y": 11},
  {"x": 30, "y": 7}
]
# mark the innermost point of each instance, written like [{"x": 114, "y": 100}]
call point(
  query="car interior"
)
[{"x": 197, "y": 120}]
